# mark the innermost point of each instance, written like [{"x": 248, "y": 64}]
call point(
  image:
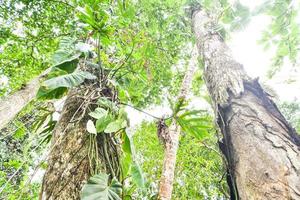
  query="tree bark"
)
[
  {"x": 171, "y": 137},
  {"x": 68, "y": 163},
  {"x": 262, "y": 150},
  {"x": 13, "y": 104},
  {"x": 75, "y": 154}
]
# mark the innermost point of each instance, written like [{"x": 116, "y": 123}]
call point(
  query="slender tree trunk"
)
[
  {"x": 261, "y": 149},
  {"x": 14, "y": 103},
  {"x": 171, "y": 137}
]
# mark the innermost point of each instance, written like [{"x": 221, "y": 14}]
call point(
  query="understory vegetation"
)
[{"x": 107, "y": 67}]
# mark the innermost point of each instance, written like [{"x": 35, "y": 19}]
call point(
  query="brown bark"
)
[
  {"x": 13, "y": 104},
  {"x": 261, "y": 149},
  {"x": 171, "y": 137},
  {"x": 68, "y": 163},
  {"x": 75, "y": 154}
]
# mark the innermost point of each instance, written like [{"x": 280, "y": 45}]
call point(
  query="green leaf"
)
[
  {"x": 98, "y": 113},
  {"x": 106, "y": 103},
  {"x": 67, "y": 64},
  {"x": 102, "y": 123},
  {"x": 195, "y": 122},
  {"x": 90, "y": 127},
  {"x": 126, "y": 161},
  {"x": 65, "y": 57},
  {"x": 46, "y": 94},
  {"x": 97, "y": 188},
  {"x": 69, "y": 80},
  {"x": 115, "y": 126},
  {"x": 137, "y": 175}
]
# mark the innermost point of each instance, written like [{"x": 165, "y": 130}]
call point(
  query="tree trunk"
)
[
  {"x": 171, "y": 137},
  {"x": 261, "y": 149},
  {"x": 13, "y": 104},
  {"x": 75, "y": 154},
  {"x": 68, "y": 163}
]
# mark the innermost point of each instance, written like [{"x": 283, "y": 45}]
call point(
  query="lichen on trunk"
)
[
  {"x": 170, "y": 135},
  {"x": 75, "y": 154},
  {"x": 261, "y": 148}
]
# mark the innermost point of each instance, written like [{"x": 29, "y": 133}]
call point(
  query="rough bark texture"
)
[
  {"x": 13, "y": 104},
  {"x": 75, "y": 154},
  {"x": 171, "y": 137},
  {"x": 68, "y": 163},
  {"x": 261, "y": 149}
]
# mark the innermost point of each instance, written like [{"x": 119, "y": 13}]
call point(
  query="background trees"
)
[{"x": 141, "y": 50}]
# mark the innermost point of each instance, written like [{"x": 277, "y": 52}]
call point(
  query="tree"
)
[
  {"x": 170, "y": 135},
  {"x": 261, "y": 148},
  {"x": 120, "y": 79},
  {"x": 13, "y": 104}
]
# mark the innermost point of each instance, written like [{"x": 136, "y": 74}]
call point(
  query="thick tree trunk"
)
[
  {"x": 68, "y": 163},
  {"x": 171, "y": 137},
  {"x": 13, "y": 104},
  {"x": 75, "y": 154},
  {"x": 262, "y": 150}
]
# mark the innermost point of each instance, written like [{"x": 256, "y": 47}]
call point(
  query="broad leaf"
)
[
  {"x": 69, "y": 80},
  {"x": 67, "y": 64},
  {"x": 97, "y": 188},
  {"x": 102, "y": 123},
  {"x": 115, "y": 126},
  {"x": 65, "y": 57},
  {"x": 195, "y": 122},
  {"x": 46, "y": 94},
  {"x": 98, "y": 113},
  {"x": 137, "y": 175},
  {"x": 106, "y": 103}
]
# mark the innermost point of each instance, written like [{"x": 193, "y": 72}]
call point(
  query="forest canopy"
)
[{"x": 149, "y": 99}]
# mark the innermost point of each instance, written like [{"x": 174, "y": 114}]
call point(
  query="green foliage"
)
[
  {"x": 195, "y": 122},
  {"x": 283, "y": 32},
  {"x": 291, "y": 111},
  {"x": 29, "y": 37},
  {"x": 21, "y": 146},
  {"x": 98, "y": 188},
  {"x": 199, "y": 169},
  {"x": 111, "y": 120},
  {"x": 68, "y": 81},
  {"x": 63, "y": 76},
  {"x": 115, "y": 126},
  {"x": 135, "y": 45},
  {"x": 137, "y": 175},
  {"x": 236, "y": 16}
]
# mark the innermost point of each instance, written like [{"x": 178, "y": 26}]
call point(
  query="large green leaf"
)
[
  {"x": 195, "y": 122},
  {"x": 102, "y": 123},
  {"x": 98, "y": 113},
  {"x": 137, "y": 175},
  {"x": 126, "y": 160},
  {"x": 97, "y": 188},
  {"x": 69, "y": 80},
  {"x": 66, "y": 62},
  {"x": 106, "y": 103},
  {"x": 65, "y": 57},
  {"x": 115, "y": 126},
  {"x": 45, "y": 94}
]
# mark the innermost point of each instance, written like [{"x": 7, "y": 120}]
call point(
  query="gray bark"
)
[
  {"x": 262, "y": 150},
  {"x": 75, "y": 154},
  {"x": 13, "y": 104},
  {"x": 68, "y": 163},
  {"x": 171, "y": 136}
]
